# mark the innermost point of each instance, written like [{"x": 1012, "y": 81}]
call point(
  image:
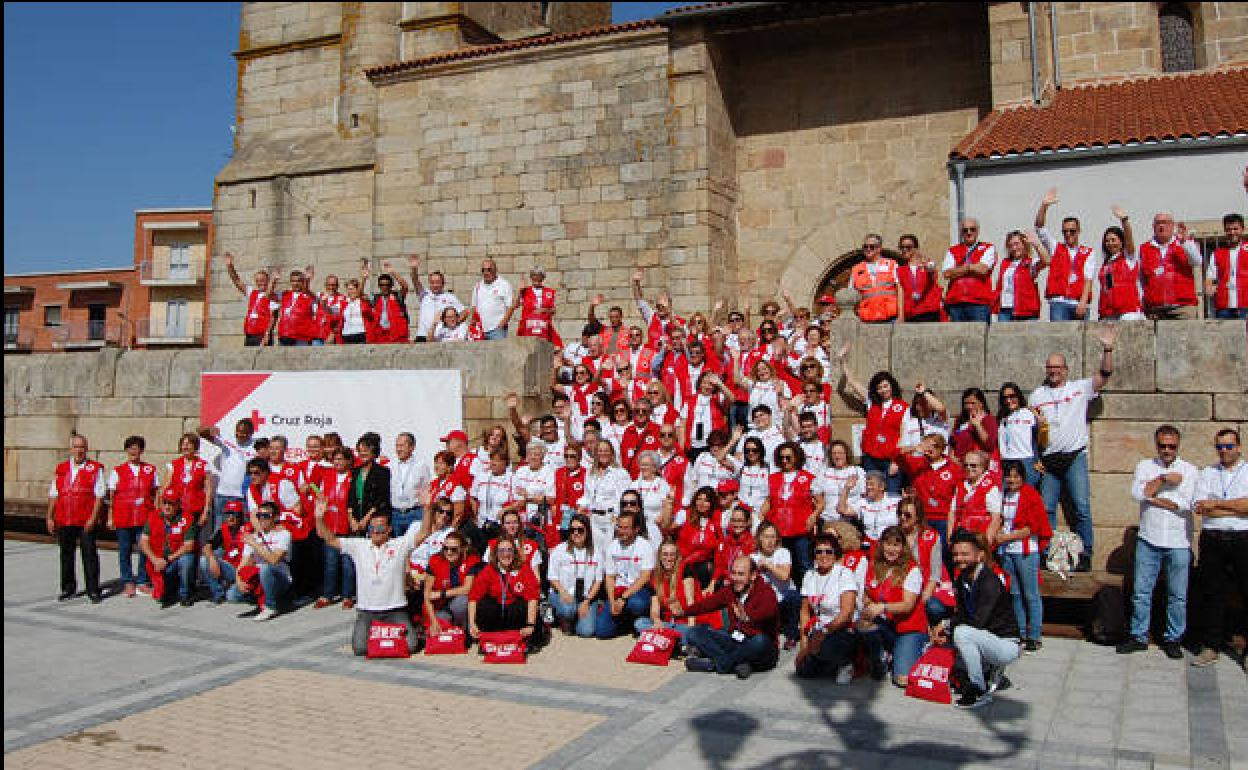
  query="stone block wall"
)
[
  {"x": 1222, "y": 32},
  {"x": 109, "y": 395}
]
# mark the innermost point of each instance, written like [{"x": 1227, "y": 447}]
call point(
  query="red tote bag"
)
[
  {"x": 450, "y": 641},
  {"x": 654, "y": 647},
  {"x": 929, "y": 679},
  {"x": 502, "y": 646},
  {"x": 388, "y": 640}
]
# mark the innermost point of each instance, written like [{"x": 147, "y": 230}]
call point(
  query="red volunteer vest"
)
[
  {"x": 934, "y": 488},
  {"x": 1066, "y": 273},
  {"x": 713, "y": 404},
  {"x": 889, "y": 591},
  {"x": 300, "y": 316},
  {"x": 134, "y": 500},
  {"x": 569, "y": 486},
  {"x": 537, "y": 304},
  {"x": 396, "y": 314},
  {"x": 730, "y": 548},
  {"x": 927, "y": 539},
  {"x": 658, "y": 329},
  {"x": 259, "y": 313},
  {"x": 1026, "y": 295},
  {"x": 1222, "y": 293},
  {"x": 445, "y": 487},
  {"x": 331, "y": 320},
  {"x": 673, "y": 471},
  {"x": 879, "y": 439},
  {"x": 75, "y": 499},
  {"x": 440, "y": 570},
  {"x": 1168, "y": 277},
  {"x": 337, "y": 514},
  {"x": 972, "y": 511},
  {"x": 1120, "y": 288},
  {"x": 970, "y": 289},
  {"x": 614, "y": 340},
  {"x": 515, "y": 585},
  {"x": 232, "y": 543},
  {"x": 636, "y": 441},
  {"x": 194, "y": 496},
  {"x": 164, "y": 537},
  {"x": 921, "y": 289},
  {"x": 791, "y": 504},
  {"x": 699, "y": 544}
]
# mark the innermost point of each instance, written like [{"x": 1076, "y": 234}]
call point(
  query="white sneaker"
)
[
  {"x": 265, "y": 614},
  {"x": 845, "y": 674}
]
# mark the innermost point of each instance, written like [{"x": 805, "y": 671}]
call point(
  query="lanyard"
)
[{"x": 1228, "y": 485}]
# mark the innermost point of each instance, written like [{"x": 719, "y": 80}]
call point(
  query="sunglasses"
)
[
  {"x": 970, "y": 229},
  {"x": 378, "y": 529},
  {"x": 450, "y": 549},
  {"x": 1224, "y": 447},
  {"x": 264, "y": 515},
  {"x": 1167, "y": 446},
  {"x": 809, "y": 366},
  {"x": 824, "y": 552},
  {"x": 754, "y": 450},
  {"x": 906, "y": 247},
  {"x": 1069, "y": 232},
  {"x": 576, "y": 530},
  {"x": 870, "y": 246},
  {"x": 630, "y": 504}
]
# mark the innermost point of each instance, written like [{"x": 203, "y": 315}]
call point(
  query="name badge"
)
[
  {"x": 1159, "y": 270},
  {"x": 916, "y": 296},
  {"x": 737, "y": 636}
]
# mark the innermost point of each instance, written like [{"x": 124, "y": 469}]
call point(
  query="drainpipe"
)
[
  {"x": 959, "y": 187},
  {"x": 1031, "y": 35},
  {"x": 1057, "y": 62}
]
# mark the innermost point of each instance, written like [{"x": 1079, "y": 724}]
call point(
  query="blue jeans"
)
[
  {"x": 181, "y": 573},
  {"x": 965, "y": 311},
  {"x": 567, "y": 611},
  {"x": 790, "y": 613},
  {"x": 1075, "y": 481},
  {"x": 759, "y": 651},
  {"x": 906, "y": 648},
  {"x": 608, "y": 626},
  {"x": 1006, "y": 314},
  {"x": 645, "y": 624},
  {"x": 217, "y": 586},
  {"x": 893, "y": 483},
  {"x": 1149, "y": 560},
  {"x": 127, "y": 547},
  {"x": 936, "y": 611},
  {"x": 1062, "y": 311},
  {"x": 275, "y": 585},
  {"x": 1231, "y": 314},
  {"x": 338, "y": 578},
  {"x": 802, "y": 550},
  {"x": 1024, "y": 572},
  {"x": 977, "y": 647},
  {"x": 497, "y": 334},
  {"x": 402, "y": 520}
]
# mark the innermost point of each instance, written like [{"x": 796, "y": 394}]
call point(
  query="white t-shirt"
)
[
  {"x": 231, "y": 466},
  {"x": 567, "y": 565},
  {"x": 754, "y": 485},
  {"x": 653, "y": 493},
  {"x": 287, "y": 496},
  {"x": 824, "y": 592},
  {"x": 1015, "y": 435},
  {"x": 627, "y": 563},
  {"x": 353, "y": 317},
  {"x": 779, "y": 558},
  {"x": 769, "y": 393},
  {"x": 407, "y": 480},
  {"x": 422, "y": 553},
  {"x": 1218, "y": 483},
  {"x": 380, "y": 571},
  {"x": 431, "y": 307},
  {"x": 276, "y": 539},
  {"x": 836, "y": 479},
  {"x": 1066, "y": 409},
  {"x": 913, "y": 429},
  {"x": 816, "y": 456},
  {"x": 603, "y": 490},
  {"x": 491, "y": 301},
  {"x": 875, "y": 515},
  {"x": 492, "y": 493},
  {"x": 708, "y": 471},
  {"x": 1009, "y": 510},
  {"x": 529, "y": 483},
  {"x": 443, "y": 333},
  {"x": 771, "y": 438}
]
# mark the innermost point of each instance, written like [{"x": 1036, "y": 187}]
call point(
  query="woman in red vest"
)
[
  {"x": 794, "y": 501},
  {"x": 919, "y": 285},
  {"x": 1122, "y": 292},
  {"x": 892, "y": 617},
  {"x": 1024, "y": 536},
  {"x": 885, "y": 411},
  {"x": 975, "y": 428},
  {"x": 504, "y": 597},
  {"x": 338, "y": 578},
  {"x": 191, "y": 479},
  {"x": 1016, "y": 297},
  {"x": 133, "y": 485},
  {"x": 700, "y": 535},
  {"x": 448, "y": 583},
  {"x": 537, "y": 309},
  {"x": 977, "y": 506}
]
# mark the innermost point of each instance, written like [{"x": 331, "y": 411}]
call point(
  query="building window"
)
[
  {"x": 11, "y": 318},
  {"x": 97, "y": 314},
  {"x": 179, "y": 260},
  {"x": 1178, "y": 38},
  {"x": 175, "y": 318},
  {"x": 52, "y": 315}
]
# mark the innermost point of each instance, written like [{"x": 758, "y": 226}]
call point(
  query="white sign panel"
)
[{"x": 426, "y": 403}]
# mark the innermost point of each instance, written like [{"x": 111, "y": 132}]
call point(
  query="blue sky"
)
[{"x": 112, "y": 107}]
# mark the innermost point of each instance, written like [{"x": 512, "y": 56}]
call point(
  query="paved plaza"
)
[{"x": 127, "y": 685}]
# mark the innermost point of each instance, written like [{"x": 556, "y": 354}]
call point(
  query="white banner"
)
[{"x": 427, "y": 403}]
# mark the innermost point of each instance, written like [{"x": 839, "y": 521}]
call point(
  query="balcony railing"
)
[
  {"x": 164, "y": 273},
  {"x": 86, "y": 335},
  {"x": 154, "y": 333},
  {"x": 19, "y": 340}
]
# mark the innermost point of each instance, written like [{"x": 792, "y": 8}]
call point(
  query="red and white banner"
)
[{"x": 427, "y": 403}]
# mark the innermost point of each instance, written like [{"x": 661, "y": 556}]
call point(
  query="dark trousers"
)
[
  {"x": 758, "y": 650},
  {"x": 493, "y": 616},
  {"x": 69, "y": 539},
  {"x": 801, "y": 548},
  {"x": 252, "y": 340},
  {"x": 354, "y": 339},
  {"x": 835, "y": 651},
  {"x": 307, "y": 569},
  {"x": 932, "y": 317},
  {"x": 1223, "y": 569}
]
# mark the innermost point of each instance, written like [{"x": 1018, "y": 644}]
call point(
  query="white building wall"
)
[{"x": 1194, "y": 184}]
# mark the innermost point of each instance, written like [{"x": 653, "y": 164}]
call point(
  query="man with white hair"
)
[
  {"x": 492, "y": 297},
  {"x": 968, "y": 275},
  {"x": 433, "y": 300},
  {"x": 1168, "y": 265},
  {"x": 537, "y": 309}
]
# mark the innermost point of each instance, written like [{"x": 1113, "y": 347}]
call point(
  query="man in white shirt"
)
[
  {"x": 491, "y": 297},
  {"x": 380, "y": 571},
  {"x": 1165, "y": 488},
  {"x": 433, "y": 300},
  {"x": 268, "y": 550},
  {"x": 629, "y": 560},
  {"x": 408, "y": 478},
  {"x": 1222, "y": 502},
  {"x": 230, "y": 465},
  {"x": 1064, "y": 404}
]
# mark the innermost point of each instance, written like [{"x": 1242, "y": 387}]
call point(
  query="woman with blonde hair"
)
[
  {"x": 673, "y": 591},
  {"x": 892, "y": 619}
]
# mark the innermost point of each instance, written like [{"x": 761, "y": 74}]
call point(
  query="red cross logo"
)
[{"x": 256, "y": 419}]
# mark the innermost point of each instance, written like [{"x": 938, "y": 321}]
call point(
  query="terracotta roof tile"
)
[
  {"x": 1187, "y": 106},
  {"x": 511, "y": 45}
]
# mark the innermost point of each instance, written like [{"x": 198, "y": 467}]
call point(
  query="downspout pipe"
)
[
  {"x": 959, "y": 188},
  {"x": 1031, "y": 35},
  {"x": 1057, "y": 62}
]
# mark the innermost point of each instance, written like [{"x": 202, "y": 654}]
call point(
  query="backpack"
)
[
  {"x": 1064, "y": 551},
  {"x": 1107, "y": 622}
]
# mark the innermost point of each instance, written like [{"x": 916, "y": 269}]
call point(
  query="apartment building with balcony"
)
[{"x": 171, "y": 248}]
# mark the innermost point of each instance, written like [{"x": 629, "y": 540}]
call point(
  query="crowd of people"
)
[
  {"x": 1157, "y": 280},
  {"x": 687, "y": 478}
]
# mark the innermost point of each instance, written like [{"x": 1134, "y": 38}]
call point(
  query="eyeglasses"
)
[
  {"x": 870, "y": 246},
  {"x": 1224, "y": 447},
  {"x": 450, "y": 549},
  {"x": 970, "y": 229},
  {"x": 824, "y": 552},
  {"x": 378, "y": 529},
  {"x": 906, "y": 247},
  {"x": 264, "y": 515},
  {"x": 576, "y": 530},
  {"x": 755, "y": 450},
  {"x": 1069, "y": 232},
  {"x": 1167, "y": 446},
  {"x": 630, "y": 504}
]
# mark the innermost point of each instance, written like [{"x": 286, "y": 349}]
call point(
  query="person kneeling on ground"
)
[
  {"x": 750, "y": 643},
  {"x": 448, "y": 583},
  {"x": 219, "y": 560},
  {"x": 168, "y": 542},
  {"x": 504, "y": 597},
  {"x": 985, "y": 631},
  {"x": 379, "y": 585}
]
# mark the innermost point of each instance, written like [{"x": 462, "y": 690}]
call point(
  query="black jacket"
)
[
  {"x": 984, "y": 603},
  {"x": 376, "y": 491}
]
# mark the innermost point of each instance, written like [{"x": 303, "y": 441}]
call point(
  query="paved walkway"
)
[{"x": 125, "y": 684}]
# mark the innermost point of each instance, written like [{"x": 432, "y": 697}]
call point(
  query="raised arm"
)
[
  {"x": 322, "y": 529},
  {"x": 519, "y": 423},
  {"x": 638, "y": 276},
  {"x": 1042, "y": 213},
  {"x": 594, "y": 302},
  {"x": 229, "y": 268},
  {"x": 855, "y": 388},
  {"x": 413, "y": 264},
  {"x": 1124, "y": 221},
  {"x": 1107, "y": 335}
]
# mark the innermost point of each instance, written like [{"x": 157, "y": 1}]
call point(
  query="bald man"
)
[{"x": 968, "y": 275}]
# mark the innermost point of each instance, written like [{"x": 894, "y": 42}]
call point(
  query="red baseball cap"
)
[
  {"x": 233, "y": 506},
  {"x": 827, "y": 299},
  {"x": 728, "y": 485},
  {"x": 171, "y": 496},
  {"x": 455, "y": 434}
]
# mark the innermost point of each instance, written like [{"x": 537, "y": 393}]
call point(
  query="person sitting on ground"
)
[
  {"x": 983, "y": 628},
  {"x": 168, "y": 542},
  {"x": 218, "y": 564},
  {"x": 830, "y": 591},
  {"x": 749, "y": 643},
  {"x": 575, "y": 575},
  {"x": 448, "y": 583},
  {"x": 504, "y": 597},
  {"x": 266, "y": 556},
  {"x": 700, "y": 535},
  {"x": 628, "y": 562},
  {"x": 775, "y": 564},
  {"x": 892, "y": 619},
  {"x": 674, "y": 590},
  {"x": 380, "y": 586}
]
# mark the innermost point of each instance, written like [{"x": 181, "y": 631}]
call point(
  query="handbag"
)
[
  {"x": 388, "y": 640},
  {"x": 654, "y": 647},
  {"x": 503, "y": 646},
  {"x": 929, "y": 679},
  {"x": 449, "y": 641}
]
